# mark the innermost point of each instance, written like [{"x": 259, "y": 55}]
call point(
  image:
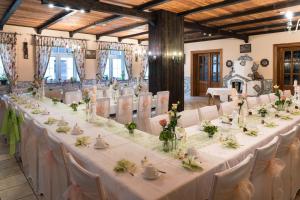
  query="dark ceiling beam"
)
[
  {"x": 56, "y": 18},
  {"x": 263, "y": 27},
  {"x": 215, "y": 31},
  {"x": 116, "y": 17},
  {"x": 254, "y": 21},
  {"x": 99, "y": 22},
  {"x": 133, "y": 35},
  {"x": 142, "y": 40},
  {"x": 206, "y": 39},
  {"x": 9, "y": 12},
  {"x": 211, "y": 7},
  {"x": 101, "y": 7},
  {"x": 268, "y": 31},
  {"x": 255, "y": 10},
  {"x": 151, "y": 4},
  {"x": 123, "y": 28}
]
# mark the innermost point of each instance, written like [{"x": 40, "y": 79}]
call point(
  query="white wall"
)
[
  {"x": 26, "y": 67},
  {"x": 262, "y": 47}
]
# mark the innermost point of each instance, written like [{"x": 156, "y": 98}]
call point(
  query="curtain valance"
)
[
  {"x": 59, "y": 42},
  {"x": 8, "y": 38},
  {"x": 114, "y": 46}
]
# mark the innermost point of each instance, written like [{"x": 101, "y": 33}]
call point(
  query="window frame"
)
[{"x": 110, "y": 58}]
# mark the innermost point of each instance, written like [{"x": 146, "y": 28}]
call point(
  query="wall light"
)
[
  {"x": 82, "y": 10},
  {"x": 176, "y": 56},
  {"x": 51, "y": 5},
  {"x": 67, "y": 8},
  {"x": 151, "y": 56}
]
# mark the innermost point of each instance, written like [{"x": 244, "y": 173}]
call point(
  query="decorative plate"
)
[
  {"x": 264, "y": 62},
  {"x": 229, "y": 63}
]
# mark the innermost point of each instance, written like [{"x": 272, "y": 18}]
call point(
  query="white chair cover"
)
[
  {"x": 252, "y": 102},
  {"x": 296, "y": 166},
  {"x": 155, "y": 127},
  {"x": 162, "y": 105},
  {"x": 266, "y": 172},
  {"x": 55, "y": 171},
  {"x": 107, "y": 92},
  {"x": 127, "y": 91},
  {"x": 144, "y": 111},
  {"x": 84, "y": 184},
  {"x": 287, "y": 93},
  {"x": 103, "y": 107},
  {"x": 226, "y": 108},
  {"x": 288, "y": 152},
  {"x": 272, "y": 97},
  {"x": 100, "y": 94},
  {"x": 73, "y": 96},
  {"x": 264, "y": 99},
  {"x": 234, "y": 184},
  {"x": 54, "y": 93},
  {"x": 188, "y": 118},
  {"x": 25, "y": 137},
  {"x": 208, "y": 113},
  {"x": 124, "y": 109}
]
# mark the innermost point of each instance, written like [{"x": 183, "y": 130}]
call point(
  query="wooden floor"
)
[{"x": 13, "y": 184}]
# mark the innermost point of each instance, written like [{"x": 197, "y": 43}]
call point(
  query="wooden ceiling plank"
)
[
  {"x": 211, "y": 7},
  {"x": 124, "y": 28},
  {"x": 212, "y": 30},
  {"x": 56, "y": 18},
  {"x": 254, "y": 21},
  {"x": 133, "y": 35},
  {"x": 9, "y": 12},
  {"x": 151, "y": 4},
  {"x": 101, "y": 7},
  {"x": 255, "y": 10}
]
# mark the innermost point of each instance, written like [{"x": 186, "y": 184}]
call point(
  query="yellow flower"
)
[
  {"x": 276, "y": 86},
  {"x": 174, "y": 106}
]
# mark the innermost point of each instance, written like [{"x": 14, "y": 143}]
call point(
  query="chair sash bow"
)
[
  {"x": 243, "y": 191},
  {"x": 294, "y": 149}
]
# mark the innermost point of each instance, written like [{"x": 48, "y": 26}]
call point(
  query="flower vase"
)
[
  {"x": 87, "y": 111},
  {"x": 166, "y": 146}
]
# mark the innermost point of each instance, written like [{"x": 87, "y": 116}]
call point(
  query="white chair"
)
[
  {"x": 103, "y": 107},
  {"x": 162, "y": 105},
  {"x": 124, "y": 109},
  {"x": 252, "y": 102},
  {"x": 233, "y": 184},
  {"x": 287, "y": 93},
  {"x": 272, "y": 97},
  {"x": 266, "y": 172},
  {"x": 107, "y": 92},
  {"x": 73, "y": 96},
  {"x": 155, "y": 127},
  {"x": 144, "y": 110},
  {"x": 208, "y": 113},
  {"x": 85, "y": 185},
  {"x": 226, "y": 108},
  {"x": 188, "y": 118},
  {"x": 287, "y": 153},
  {"x": 264, "y": 99}
]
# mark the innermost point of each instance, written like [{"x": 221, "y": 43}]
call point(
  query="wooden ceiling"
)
[{"x": 205, "y": 19}]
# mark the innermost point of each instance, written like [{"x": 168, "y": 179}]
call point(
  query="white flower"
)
[
  {"x": 275, "y": 86},
  {"x": 174, "y": 106}
]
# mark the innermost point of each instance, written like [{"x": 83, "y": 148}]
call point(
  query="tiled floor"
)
[
  {"x": 13, "y": 184},
  {"x": 194, "y": 102}
]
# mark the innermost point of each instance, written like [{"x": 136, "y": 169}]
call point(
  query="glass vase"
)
[
  {"x": 166, "y": 146},
  {"x": 87, "y": 111}
]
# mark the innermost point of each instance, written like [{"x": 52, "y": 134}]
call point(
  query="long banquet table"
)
[{"x": 177, "y": 183}]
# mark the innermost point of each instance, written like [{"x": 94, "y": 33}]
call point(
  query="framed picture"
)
[
  {"x": 90, "y": 54},
  {"x": 245, "y": 48}
]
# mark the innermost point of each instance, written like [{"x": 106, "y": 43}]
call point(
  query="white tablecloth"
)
[
  {"x": 178, "y": 183},
  {"x": 222, "y": 92}
]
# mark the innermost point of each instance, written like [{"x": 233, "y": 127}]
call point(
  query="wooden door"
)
[
  {"x": 289, "y": 67},
  {"x": 206, "y": 72}
]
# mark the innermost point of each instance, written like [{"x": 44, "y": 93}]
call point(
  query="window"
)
[
  {"x": 2, "y": 72},
  {"x": 115, "y": 66},
  {"x": 146, "y": 73},
  {"x": 61, "y": 65}
]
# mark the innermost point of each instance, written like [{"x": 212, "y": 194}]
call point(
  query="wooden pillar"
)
[{"x": 166, "y": 56}]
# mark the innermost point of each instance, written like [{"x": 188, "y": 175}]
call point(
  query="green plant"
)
[
  {"x": 74, "y": 106},
  {"x": 262, "y": 111},
  {"x": 131, "y": 126},
  {"x": 55, "y": 100},
  {"x": 210, "y": 129}
]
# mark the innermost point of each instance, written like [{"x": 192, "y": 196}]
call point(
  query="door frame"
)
[
  {"x": 192, "y": 65},
  {"x": 276, "y": 48}
]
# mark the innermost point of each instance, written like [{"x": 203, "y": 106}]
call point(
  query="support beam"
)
[
  {"x": 9, "y": 12},
  {"x": 124, "y": 28},
  {"x": 151, "y": 4},
  {"x": 141, "y": 40},
  {"x": 99, "y": 22},
  {"x": 205, "y": 39},
  {"x": 255, "y": 10},
  {"x": 269, "y": 31},
  {"x": 254, "y": 21},
  {"x": 211, "y": 7},
  {"x": 60, "y": 16},
  {"x": 101, "y": 7},
  {"x": 133, "y": 35},
  {"x": 263, "y": 27},
  {"x": 215, "y": 31}
]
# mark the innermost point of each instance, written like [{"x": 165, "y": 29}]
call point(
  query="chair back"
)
[
  {"x": 287, "y": 93},
  {"x": 124, "y": 109},
  {"x": 234, "y": 184},
  {"x": 126, "y": 91},
  {"x": 252, "y": 102},
  {"x": 103, "y": 107},
  {"x": 188, "y": 118},
  {"x": 226, "y": 108},
  {"x": 264, "y": 99},
  {"x": 144, "y": 106},
  {"x": 272, "y": 97},
  {"x": 162, "y": 105},
  {"x": 208, "y": 113},
  {"x": 155, "y": 127},
  {"x": 84, "y": 184},
  {"x": 100, "y": 94},
  {"x": 73, "y": 96}
]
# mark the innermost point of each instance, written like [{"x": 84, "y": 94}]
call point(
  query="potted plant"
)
[
  {"x": 74, "y": 106},
  {"x": 131, "y": 126},
  {"x": 262, "y": 111},
  {"x": 3, "y": 79},
  {"x": 210, "y": 129}
]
